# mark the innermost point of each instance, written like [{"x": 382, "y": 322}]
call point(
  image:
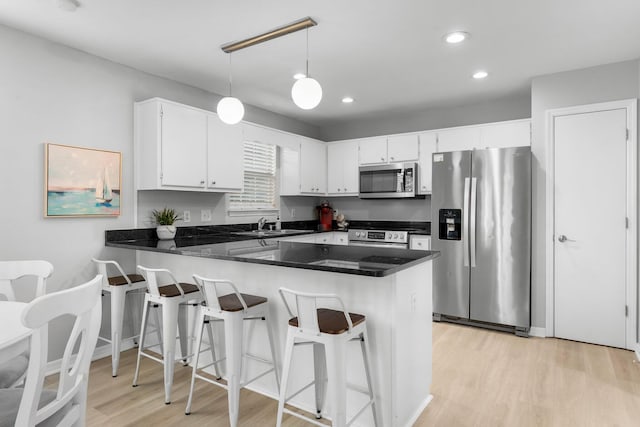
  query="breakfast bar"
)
[{"x": 391, "y": 287}]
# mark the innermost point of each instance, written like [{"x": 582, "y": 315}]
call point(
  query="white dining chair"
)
[
  {"x": 12, "y": 372},
  {"x": 66, "y": 406}
]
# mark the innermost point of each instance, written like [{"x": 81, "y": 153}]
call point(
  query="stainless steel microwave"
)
[{"x": 393, "y": 180}]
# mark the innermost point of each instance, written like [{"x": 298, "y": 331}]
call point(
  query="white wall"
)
[
  {"x": 51, "y": 93},
  {"x": 598, "y": 84}
]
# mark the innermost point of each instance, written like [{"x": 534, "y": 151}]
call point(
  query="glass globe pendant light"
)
[
  {"x": 230, "y": 109},
  {"x": 306, "y": 92}
]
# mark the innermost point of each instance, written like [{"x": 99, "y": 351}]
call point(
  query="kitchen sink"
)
[{"x": 269, "y": 233}]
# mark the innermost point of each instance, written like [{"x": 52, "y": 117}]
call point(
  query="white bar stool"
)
[
  {"x": 328, "y": 331},
  {"x": 232, "y": 308},
  {"x": 118, "y": 287},
  {"x": 171, "y": 298}
]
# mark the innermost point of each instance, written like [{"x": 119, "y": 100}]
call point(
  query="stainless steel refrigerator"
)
[{"x": 481, "y": 224}]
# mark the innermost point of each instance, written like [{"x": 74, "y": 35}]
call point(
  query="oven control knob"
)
[
  {"x": 395, "y": 236},
  {"x": 389, "y": 236}
]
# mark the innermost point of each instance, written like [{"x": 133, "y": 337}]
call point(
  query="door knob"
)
[{"x": 562, "y": 238}]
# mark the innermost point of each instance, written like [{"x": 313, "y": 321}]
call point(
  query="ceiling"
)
[{"x": 388, "y": 55}]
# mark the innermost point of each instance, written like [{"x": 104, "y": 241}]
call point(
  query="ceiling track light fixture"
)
[
  {"x": 230, "y": 110},
  {"x": 306, "y": 92}
]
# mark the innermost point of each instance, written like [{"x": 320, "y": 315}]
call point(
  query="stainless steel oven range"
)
[{"x": 379, "y": 238}]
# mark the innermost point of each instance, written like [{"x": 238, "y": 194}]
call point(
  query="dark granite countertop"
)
[{"x": 360, "y": 260}]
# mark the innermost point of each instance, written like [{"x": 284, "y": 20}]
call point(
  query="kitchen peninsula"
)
[{"x": 392, "y": 287}]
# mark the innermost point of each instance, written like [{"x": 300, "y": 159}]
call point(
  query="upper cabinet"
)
[
  {"x": 426, "y": 146},
  {"x": 313, "y": 167},
  {"x": 507, "y": 134},
  {"x": 171, "y": 146},
  {"x": 395, "y": 148},
  {"x": 342, "y": 174},
  {"x": 372, "y": 150},
  {"x": 225, "y": 151},
  {"x": 402, "y": 148},
  {"x": 178, "y": 147},
  {"x": 494, "y": 135}
]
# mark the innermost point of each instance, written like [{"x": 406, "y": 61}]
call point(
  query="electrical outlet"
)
[
  {"x": 205, "y": 215},
  {"x": 293, "y": 213},
  {"x": 186, "y": 216}
]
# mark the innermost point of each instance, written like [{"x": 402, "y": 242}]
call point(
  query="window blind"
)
[{"x": 259, "y": 178}]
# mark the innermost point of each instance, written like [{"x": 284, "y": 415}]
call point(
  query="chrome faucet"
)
[{"x": 261, "y": 222}]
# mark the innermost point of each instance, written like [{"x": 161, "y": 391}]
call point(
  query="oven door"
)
[{"x": 379, "y": 244}]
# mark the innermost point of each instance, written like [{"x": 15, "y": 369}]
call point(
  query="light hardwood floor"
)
[{"x": 480, "y": 378}]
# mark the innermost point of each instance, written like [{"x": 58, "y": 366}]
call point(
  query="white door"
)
[{"x": 590, "y": 227}]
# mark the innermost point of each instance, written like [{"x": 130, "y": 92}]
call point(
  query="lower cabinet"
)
[{"x": 420, "y": 242}]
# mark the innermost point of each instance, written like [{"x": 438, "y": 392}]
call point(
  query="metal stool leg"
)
[{"x": 118, "y": 296}]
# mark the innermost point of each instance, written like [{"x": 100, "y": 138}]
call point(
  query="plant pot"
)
[{"x": 166, "y": 232}]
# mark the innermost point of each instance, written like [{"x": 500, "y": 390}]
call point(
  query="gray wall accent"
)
[
  {"x": 52, "y": 93},
  {"x": 383, "y": 210},
  {"x": 592, "y": 85},
  {"x": 516, "y": 106}
]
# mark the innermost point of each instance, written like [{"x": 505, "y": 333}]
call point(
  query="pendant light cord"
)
[
  {"x": 230, "y": 81},
  {"x": 307, "y": 52}
]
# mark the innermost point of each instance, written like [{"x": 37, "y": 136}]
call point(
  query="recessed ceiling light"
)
[
  {"x": 347, "y": 100},
  {"x": 299, "y": 76},
  {"x": 480, "y": 75},
  {"x": 68, "y": 5},
  {"x": 456, "y": 37}
]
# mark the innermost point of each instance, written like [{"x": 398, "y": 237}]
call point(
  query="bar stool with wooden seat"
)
[
  {"x": 233, "y": 309},
  {"x": 174, "y": 300},
  {"x": 328, "y": 331},
  {"x": 118, "y": 287}
]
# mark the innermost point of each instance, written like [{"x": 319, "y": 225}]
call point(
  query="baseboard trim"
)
[
  {"x": 419, "y": 411},
  {"x": 99, "y": 353},
  {"x": 538, "y": 332},
  {"x": 638, "y": 351}
]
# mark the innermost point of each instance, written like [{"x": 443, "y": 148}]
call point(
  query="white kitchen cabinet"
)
[
  {"x": 178, "y": 147},
  {"x": 459, "y": 139},
  {"x": 289, "y": 171},
  {"x": 225, "y": 152},
  {"x": 340, "y": 238},
  {"x": 427, "y": 146},
  {"x": 170, "y": 145},
  {"x": 402, "y": 148},
  {"x": 493, "y": 135},
  {"x": 395, "y": 148},
  {"x": 342, "y": 168},
  {"x": 372, "y": 150},
  {"x": 420, "y": 242},
  {"x": 508, "y": 134},
  {"x": 313, "y": 167}
]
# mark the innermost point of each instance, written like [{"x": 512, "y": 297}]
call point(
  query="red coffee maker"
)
[{"x": 325, "y": 215}]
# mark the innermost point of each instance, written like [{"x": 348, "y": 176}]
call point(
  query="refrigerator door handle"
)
[
  {"x": 465, "y": 223},
  {"x": 472, "y": 220}
]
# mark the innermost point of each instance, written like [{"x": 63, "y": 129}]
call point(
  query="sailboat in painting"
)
[{"x": 103, "y": 188}]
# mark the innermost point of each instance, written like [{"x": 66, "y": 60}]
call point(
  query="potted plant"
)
[{"x": 164, "y": 219}]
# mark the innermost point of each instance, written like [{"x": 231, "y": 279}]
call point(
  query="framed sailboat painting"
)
[{"x": 81, "y": 181}]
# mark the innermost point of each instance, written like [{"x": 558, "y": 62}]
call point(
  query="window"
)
[{"x": 259, "y": 179}]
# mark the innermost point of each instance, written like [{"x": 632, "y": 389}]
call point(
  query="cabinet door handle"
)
[
  {"x": 213, "y": 183},
  {"x": 202, "y": 182},
  {"x": 382, "y": 158},
  {"x": 345, "y": 189},
  {"x": 392, "y": 158},
  {"x": 338, "y": 189}
]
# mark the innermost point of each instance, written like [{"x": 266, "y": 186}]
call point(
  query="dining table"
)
[{"x": 13, "y": 334}]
